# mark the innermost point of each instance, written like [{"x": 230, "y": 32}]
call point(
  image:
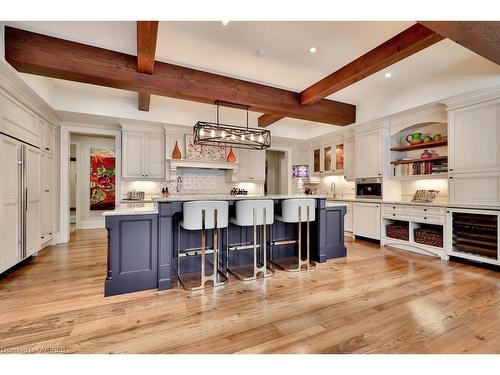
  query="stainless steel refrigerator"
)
[{"x": 20, "y": 195}]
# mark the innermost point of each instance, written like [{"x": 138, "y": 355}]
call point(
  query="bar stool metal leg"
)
[
  {"x": 264, "y": 269},
  {"x": 214, "y": 277},
  {"x": 305, "y": 264}
]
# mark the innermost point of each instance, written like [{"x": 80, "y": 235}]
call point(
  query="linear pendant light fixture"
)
[{"x": 216, "y": 134}]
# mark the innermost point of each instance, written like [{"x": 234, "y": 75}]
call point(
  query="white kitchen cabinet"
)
[
  {"x": 10, "y": 203},
  {"x": 475, "y": 188},
  {"x": 47, "y": 133},
  {"x": 366, "y": 220},
  {"x": 133, "y": 155},
  {"x": 252, "y": 165},
  {"x": 47, "y": 198},
  {"x": 474, "y": 138},
  {"x": 369, "y": 154},
  {"x": 348, "y": 218},
  {"x": 143, "y": 155},
  {"x": 155, "y": 156},
  {"x": 33, "y": 195},
  {"x": 327, "y": 159},
  {"x": 474, "y": 154},
  {"x": 349, "y": 157}
]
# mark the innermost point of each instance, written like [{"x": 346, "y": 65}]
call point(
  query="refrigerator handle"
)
[{"x": 23, "y": 200}]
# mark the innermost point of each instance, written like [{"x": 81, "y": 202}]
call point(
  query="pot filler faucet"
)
[
  {"x": 178, "y": 186},
  {"x": 333, "y": 189}
]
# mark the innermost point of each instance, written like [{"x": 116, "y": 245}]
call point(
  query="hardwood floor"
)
[{"x": 374, "y": 301}]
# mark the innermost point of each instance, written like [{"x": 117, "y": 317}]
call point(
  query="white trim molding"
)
[
  {"x": 66, "y": 130},
  {"x": 21, "y": 91}
]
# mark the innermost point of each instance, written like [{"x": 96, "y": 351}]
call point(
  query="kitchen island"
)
[{"x": 143, "y": 240}]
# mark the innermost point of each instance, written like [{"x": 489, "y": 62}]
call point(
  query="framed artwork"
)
[
  {"x": 102, "y": 179},
  {"x": 203, "y": 152}
]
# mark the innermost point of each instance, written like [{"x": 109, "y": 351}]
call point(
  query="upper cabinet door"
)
[
  {"x": 155, "y": 156},
  {"x": 49, "y": 139},
  {"x": 339, "y": 158},
  {"x": 349, "y": 152},
  {"x": 328, "y": 165},
  {"x": 368, "y": 159},
  {"x": 316, "y": 161},
  {"x": 133, "y": 155},
  {"x": 474, "y": 142},
  {"x": 252, "y": 165}
]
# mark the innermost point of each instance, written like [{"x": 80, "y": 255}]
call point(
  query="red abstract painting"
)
[{"x": 102, "y": 179}]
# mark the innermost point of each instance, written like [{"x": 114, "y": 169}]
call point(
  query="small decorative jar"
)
[{"x": 426, "y": 155}]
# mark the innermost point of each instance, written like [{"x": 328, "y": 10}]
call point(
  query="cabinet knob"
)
[
  {"x": 425, "y": 209},
  {"x": 451, "y": 169},
  {"x": 393, "y": 214},
  {"x": 425, "y": 217},
  {"x": 451, "y": 177},
  {"x": 47, "y": 191}
]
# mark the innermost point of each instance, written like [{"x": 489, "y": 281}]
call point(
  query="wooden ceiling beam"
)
[
  {"x": 406, "y": 43},
  {"x": 481, "y": 37},
  {"x": 58, "y": 58},
  {"x": 147, "y": 34},
  {"x": 267, "y": 119}
]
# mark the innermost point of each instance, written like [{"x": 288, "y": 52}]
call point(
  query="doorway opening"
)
[
  {"x": 276, "y": 172},
  {"x": 92, "y": 179}
]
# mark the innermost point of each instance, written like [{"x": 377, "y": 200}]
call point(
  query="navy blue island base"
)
[{"x": 142, "y": 246}]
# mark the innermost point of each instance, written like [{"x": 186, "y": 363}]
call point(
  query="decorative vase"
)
[
  {"x": 230, "y": 156},
  {"x": 426, "y": 155},
  {"x": 176, "y": 154}
]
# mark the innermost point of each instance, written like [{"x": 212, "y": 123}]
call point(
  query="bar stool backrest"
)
[
  {"x": 290, "y": 210},
  {"x": 192, "y": 214},
  {"x": 245, "y": 208}
]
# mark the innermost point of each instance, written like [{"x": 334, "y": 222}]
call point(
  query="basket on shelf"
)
[
  {"x": 398, "y": 231},
  {"x": 427, "y": 236}
]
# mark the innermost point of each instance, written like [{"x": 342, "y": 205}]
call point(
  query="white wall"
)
[{"x": 85, "y": 217}]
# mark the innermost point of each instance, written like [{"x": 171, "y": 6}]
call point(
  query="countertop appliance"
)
[
  {"x": 134, "y": 195},
  {"x": 20, "y": 200},
  {"x": 369, "y": 188}
]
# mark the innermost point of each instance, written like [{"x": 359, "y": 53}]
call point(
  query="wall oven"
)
[{"x": 369, "y": 188}]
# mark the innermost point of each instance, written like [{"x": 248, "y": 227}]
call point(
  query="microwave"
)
[{"x": 369, "y": 188}]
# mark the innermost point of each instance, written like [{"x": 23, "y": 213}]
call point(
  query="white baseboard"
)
[{"x": 91, "y": 224}]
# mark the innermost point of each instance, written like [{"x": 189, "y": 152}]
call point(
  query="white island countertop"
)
[
  {"x": 144, "y": 208},
  {"x": 133, "y": 209},
  {"x": 222, "y": 197}
]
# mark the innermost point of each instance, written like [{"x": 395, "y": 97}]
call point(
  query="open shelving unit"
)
[{"x": 406, "y": 158}]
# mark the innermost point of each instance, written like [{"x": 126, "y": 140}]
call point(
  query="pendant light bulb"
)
[
  {"x": 243, "y": 137},
  {"x": 233, "y": 137},
  {"x": 261, "y": 139},
  {"x": 212, "y": 133},
  {"x": 252, "y": 137},
  {"x": 223, "y": 134},
  {"x": 202, "y": 132}
]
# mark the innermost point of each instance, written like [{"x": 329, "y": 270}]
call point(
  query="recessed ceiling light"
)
[
  {"x": 313, "y": 49},
  {"x": 225, "y": 23},
  {"x": 388, "y": 75},
  {"x": 260, "y": 52}
]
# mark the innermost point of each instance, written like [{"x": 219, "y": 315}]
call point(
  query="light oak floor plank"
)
[{"x": 376, "y": 300}]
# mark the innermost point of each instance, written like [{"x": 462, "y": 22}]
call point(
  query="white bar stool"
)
[
  {"x": 255, "y": 212},
  {"x": 298, "y": 211},
  {"x": 203, "y": 215}
]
